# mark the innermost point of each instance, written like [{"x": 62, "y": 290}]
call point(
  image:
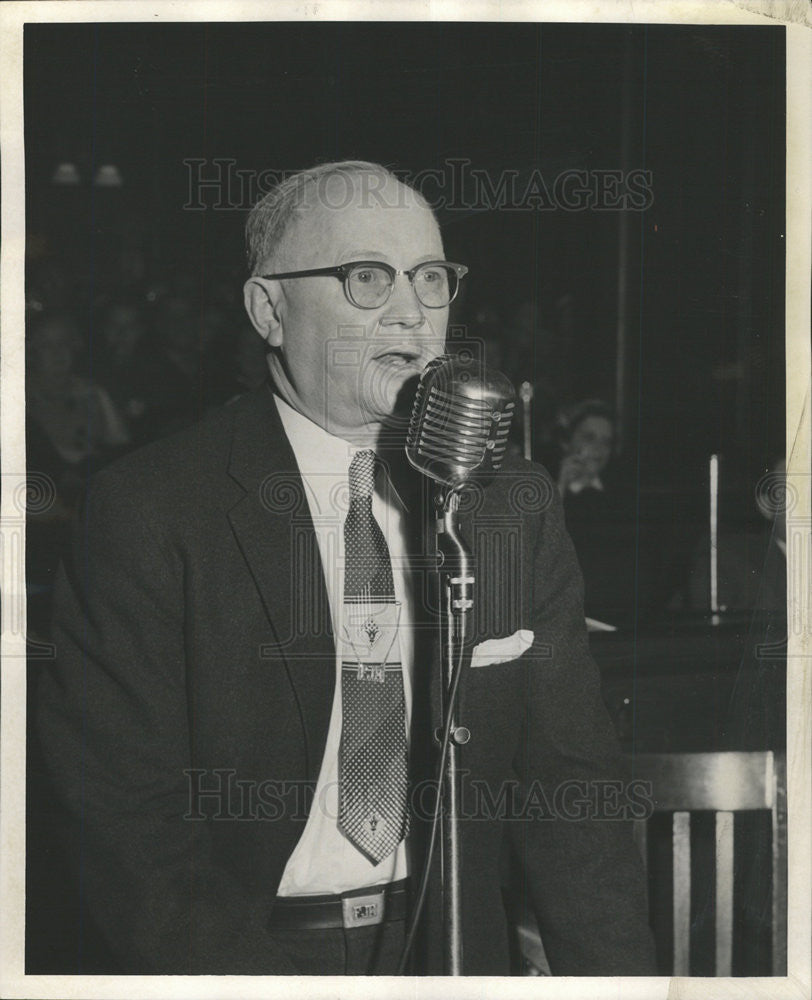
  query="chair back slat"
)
[
  {"x": 682, "y": 892},
  {"x": 723, "y": 783},
  {"x": 724, "y": 893}
]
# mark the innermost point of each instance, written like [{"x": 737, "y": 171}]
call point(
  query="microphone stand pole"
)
[
  {"x": 457, "y": 586},
  {"x": 526, "y": 396}
]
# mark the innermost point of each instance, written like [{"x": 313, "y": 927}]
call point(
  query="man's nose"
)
[{"x": 403, "y": 307}]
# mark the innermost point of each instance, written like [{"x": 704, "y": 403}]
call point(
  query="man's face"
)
[{"x": 342, "y": 366}]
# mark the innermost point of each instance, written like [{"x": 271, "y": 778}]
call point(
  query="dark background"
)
[
  {"x": 705, "y": 115},
  {"x": 701, "y": 108}
]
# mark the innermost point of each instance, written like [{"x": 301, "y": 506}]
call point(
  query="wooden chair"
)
[{"x": 723, "y": 783}]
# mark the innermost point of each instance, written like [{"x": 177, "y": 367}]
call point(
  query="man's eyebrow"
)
[{"x": 355, "y": 254}]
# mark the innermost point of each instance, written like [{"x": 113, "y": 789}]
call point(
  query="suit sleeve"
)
[
  {"x": 583, "y": 873},
  {"x": 113, "y": 724}
]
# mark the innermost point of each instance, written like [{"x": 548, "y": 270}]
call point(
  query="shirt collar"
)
[{"x": 318, "y": 451}]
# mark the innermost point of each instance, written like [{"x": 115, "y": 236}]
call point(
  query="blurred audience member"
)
[
  {"x": 73, "y": 417},
  {"x": 122, "y": 363},
  {"x": 189, "y": 371},
  {"x": 599, "y": 514},
  {"x": 587, "y": 435},
  {"x": 72, "y": 428}
]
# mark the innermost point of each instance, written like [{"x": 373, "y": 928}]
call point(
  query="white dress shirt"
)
[{"x": 324, "y": 861}]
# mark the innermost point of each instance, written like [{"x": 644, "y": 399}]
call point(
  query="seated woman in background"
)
[
  {"x": 599, "y": 516},
  {"x": 587, "y": 435}
]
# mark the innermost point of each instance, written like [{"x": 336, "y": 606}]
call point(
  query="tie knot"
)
[{"x": 362, "y": 475}]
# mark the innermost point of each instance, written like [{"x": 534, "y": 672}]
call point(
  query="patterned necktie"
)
[{"x": 372, "y": 772}]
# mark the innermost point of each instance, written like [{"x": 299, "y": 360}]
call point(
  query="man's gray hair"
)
[{"x": 269, "y": 219}]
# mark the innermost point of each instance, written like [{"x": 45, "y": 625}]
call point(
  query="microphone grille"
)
[{"x": 460, "y": 420}]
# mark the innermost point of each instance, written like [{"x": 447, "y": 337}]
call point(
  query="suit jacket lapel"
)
[{"x": 274, "y": 530}]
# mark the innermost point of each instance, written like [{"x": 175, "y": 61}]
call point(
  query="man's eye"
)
[
  {"x": 432, "y": 275},
  {"x": 365, "y": 277}
]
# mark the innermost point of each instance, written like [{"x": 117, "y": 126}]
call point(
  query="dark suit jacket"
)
[{"x": 194, "y": 653}]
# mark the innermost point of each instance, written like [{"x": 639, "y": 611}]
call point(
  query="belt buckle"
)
[{"x": 363, "y": 911}]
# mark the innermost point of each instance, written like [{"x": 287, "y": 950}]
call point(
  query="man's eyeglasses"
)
[{"x": 369, "y": 283}]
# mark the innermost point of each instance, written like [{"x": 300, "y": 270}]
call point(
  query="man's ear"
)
[{"x": 262, "y": 300}]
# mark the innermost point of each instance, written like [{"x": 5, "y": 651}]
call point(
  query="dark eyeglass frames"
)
[{"x": 369, "y": 283}]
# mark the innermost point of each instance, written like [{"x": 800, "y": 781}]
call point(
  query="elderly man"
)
[{"x": 243, "y": 705}]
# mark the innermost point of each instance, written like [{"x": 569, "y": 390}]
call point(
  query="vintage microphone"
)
[
  {"x": 458, "y": 433},
  {"x": 460, "y": 421}
]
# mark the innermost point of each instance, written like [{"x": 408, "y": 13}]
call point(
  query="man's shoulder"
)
[
  {"x": 192, "y": 462},
  {"x": 526, "y": 487},
  {"x": 179, "y": 453},
  {"x": 517, "y": 465}
]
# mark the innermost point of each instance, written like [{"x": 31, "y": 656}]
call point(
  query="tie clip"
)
[{"x": 371, "y": 672}]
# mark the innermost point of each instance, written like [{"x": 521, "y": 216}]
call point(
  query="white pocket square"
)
[{"x": 501, "y": 650}]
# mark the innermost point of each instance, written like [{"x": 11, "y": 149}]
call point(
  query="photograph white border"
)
[{"x": 13, "y": 15}]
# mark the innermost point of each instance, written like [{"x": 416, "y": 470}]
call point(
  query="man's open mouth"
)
[{"x": 399, "y": 357}]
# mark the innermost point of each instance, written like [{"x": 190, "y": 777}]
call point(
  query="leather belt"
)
[{"x": 357, "y": 908}]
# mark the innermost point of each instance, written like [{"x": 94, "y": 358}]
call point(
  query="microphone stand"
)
[
  {"x": 526, "y": 396},
  {"x": 459, "y": 427},
  {"x": 456, "y": 569}
]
